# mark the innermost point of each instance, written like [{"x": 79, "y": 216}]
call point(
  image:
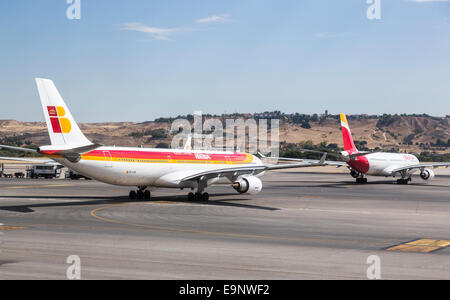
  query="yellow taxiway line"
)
[{"x": 421, "y": 246}]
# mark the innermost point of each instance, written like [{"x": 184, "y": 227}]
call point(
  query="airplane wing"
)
[
  {"x": 339, "y": 155},
  {"x": 309, "y": 161},
  {"x": 230, "y": 173},
  {"x": 313, "y": 161},
  {"x": 233, "y": 173},
  {"x": 421, "y": 166}
]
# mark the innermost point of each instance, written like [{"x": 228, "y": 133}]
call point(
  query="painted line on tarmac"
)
[
  {"x": 421, "y": 246},
  {"x": 10, "y": 228},
  {"x": 202, "y": 232},
  {"x": 39, "y": 186}
]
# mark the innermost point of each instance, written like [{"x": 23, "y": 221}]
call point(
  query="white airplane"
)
[
  {"x": 145, "y": 168},
  {"x": 376, "y": 163}
]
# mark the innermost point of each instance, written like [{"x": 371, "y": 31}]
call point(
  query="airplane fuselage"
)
[
  {"x": 126, "y": 166},
  {"x": 382, "y": 163}
]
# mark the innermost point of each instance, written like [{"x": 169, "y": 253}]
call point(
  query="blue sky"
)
[{"x": 136, "y": 60}]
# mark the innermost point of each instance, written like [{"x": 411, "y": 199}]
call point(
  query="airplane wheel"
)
[
  {"x": 361, "y": 180},
  {"x": 205, "y": 197},
  {"x": 147, "y": 195},
  {"x": 198, "y": 196},
  {"x": 191, "y": 197},
  {"x": 402, "y": 181},
  {"x": 132, "y": 195},
  {"x": 140, "y": 195}
]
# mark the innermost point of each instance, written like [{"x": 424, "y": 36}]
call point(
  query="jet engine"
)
[
  {"x": 427, "y": 174},
  {"x": 355, "y": 174},
  {"x": 248, "y": 185}
]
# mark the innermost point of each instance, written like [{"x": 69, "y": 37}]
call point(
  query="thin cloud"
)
[
  {"x": 154, "y": 32},
  {"x": 223, "y": 18},
  {"x": 164, "y": 34}
]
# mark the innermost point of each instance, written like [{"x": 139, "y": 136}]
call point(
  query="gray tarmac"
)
[{"x": 302, "y": 226}]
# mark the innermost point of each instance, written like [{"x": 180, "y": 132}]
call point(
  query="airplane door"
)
[{"x": 108, "y": 159}]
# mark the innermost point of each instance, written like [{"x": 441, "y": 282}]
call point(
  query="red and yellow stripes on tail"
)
[{"x": 349, "y": 145}]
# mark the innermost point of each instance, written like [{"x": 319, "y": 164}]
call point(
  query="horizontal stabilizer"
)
[
  {"x": 18, "y": 149},
  {"x": 74, "y": 155},
  {"x": 80, "y": 150}
]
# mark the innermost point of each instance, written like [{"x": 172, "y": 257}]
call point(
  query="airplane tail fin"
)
[
  {"x": 349, "y": 145},
  {"x": 62, "y": 128}
]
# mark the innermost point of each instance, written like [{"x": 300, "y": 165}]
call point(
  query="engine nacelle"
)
[
  {"x": 427, "y": 174},
  {"x": 248, "y": 185},
  {"x": 355, "y": 174}
]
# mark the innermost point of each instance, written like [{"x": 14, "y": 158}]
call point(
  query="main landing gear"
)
[
  {"x": 358, "y": 176},
  {"x": 403, "y": 180},
  {"x": 141, "y": 194},
  {"x": 198, "y": 196},
  {"x": 361, "y": 180}
]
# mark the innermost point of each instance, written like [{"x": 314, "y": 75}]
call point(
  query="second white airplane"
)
[{"x": 382, "y": 164}]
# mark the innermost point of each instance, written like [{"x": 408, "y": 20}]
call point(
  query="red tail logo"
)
[{"x": 59, "y": 124}]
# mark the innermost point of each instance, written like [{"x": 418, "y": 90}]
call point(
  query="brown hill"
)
[{"x": 405, "y": 133}]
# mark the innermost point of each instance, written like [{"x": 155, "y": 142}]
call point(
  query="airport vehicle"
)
[
  {"x": 43, "y": 171},
  {"x": 383, "y": 164},
  {"x": 19, "y": 175},
  {"x": 75, "y": 175},
  {"x": 145, "y": 168}
]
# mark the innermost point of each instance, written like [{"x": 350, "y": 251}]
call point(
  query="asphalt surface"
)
[{"x": 302, "y": 226}]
